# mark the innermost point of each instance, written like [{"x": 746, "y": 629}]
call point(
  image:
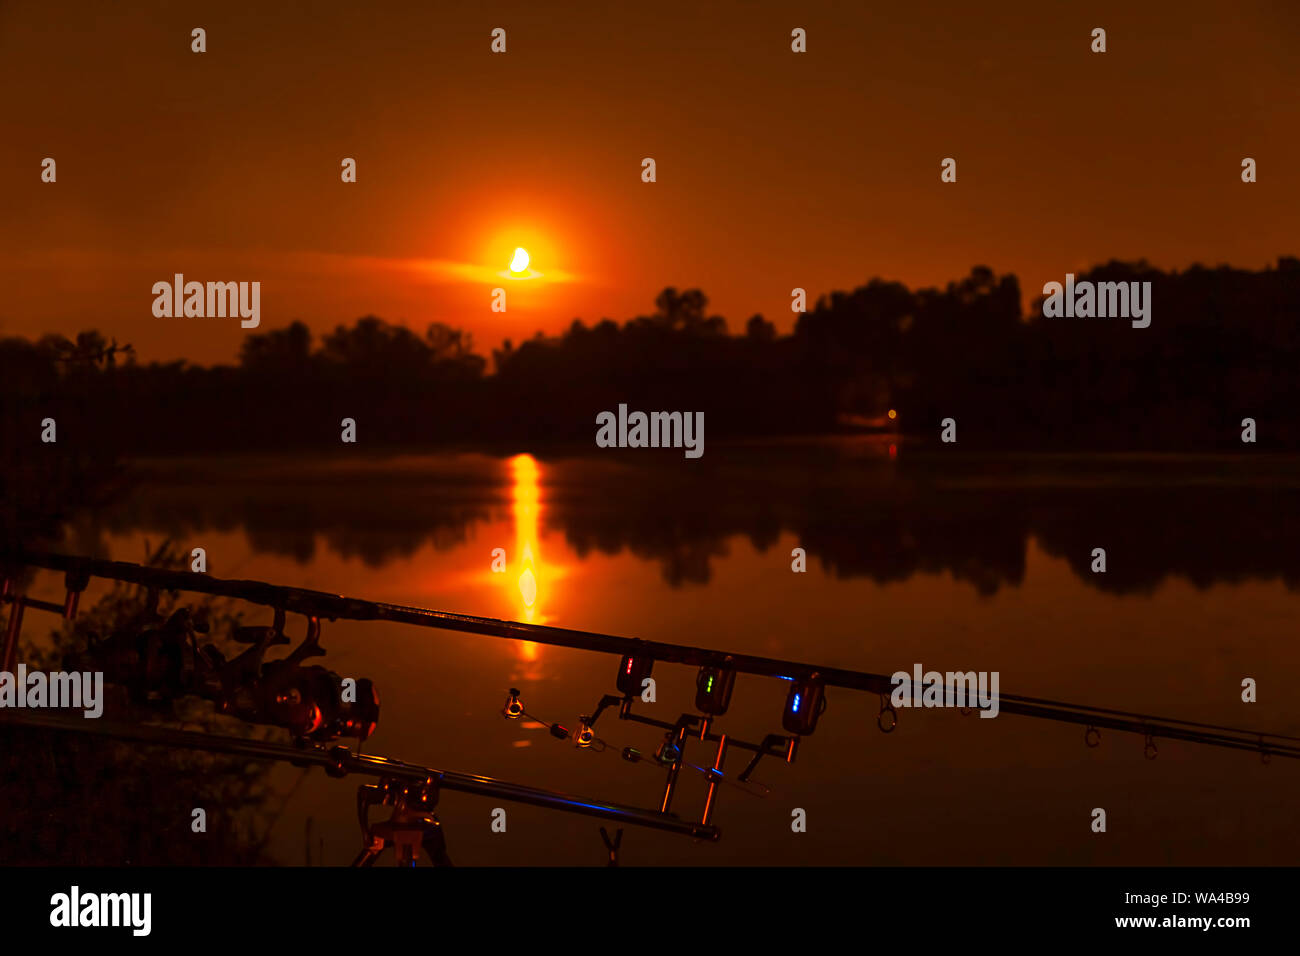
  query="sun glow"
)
[{"x": 519, "y": 264}]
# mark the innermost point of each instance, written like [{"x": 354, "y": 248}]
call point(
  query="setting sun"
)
[{"x": 521, "y": 266}]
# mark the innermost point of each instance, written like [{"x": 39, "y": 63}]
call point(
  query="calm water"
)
[{"x": 951, "y": 563}]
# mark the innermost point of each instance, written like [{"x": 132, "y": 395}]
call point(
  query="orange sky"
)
[{"x": 775, "y": 170}]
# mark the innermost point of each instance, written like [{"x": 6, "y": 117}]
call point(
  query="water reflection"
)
[
  {"x": 1209, "y": 520},
  {"x": 526, "y": 500},
  {"x": 525, "y": 510}
]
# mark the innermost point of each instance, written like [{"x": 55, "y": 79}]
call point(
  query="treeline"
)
[{"x": 1223, "y": 345}]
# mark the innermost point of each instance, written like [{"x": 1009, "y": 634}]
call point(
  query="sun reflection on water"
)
[{"x": 532, "y": 577}]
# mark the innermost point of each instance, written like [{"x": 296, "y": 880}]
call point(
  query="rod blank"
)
[
  {"x": 340, "y": 760},
  {"x": 338, "y": 607}
]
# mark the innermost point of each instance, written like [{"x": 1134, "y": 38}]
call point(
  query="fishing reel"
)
[
  {"x": 316, "y": 704},
  {"x": 311, "y": 702},
  {"x": 164, "y": 661}
]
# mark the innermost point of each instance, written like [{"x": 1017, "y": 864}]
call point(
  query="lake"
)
[{"x": 913, "y": 557}]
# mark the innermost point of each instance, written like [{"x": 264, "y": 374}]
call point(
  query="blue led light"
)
[{"x": 795, "y": 708}]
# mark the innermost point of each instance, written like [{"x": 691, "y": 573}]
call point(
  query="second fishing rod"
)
[{"x": 805, "y": 697}]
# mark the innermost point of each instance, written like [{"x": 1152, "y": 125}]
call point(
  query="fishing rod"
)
[
  {"x": 805, "y": 699},
  {"x": 419, "y": 784},
  {"x": 158, "y": 659}
]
